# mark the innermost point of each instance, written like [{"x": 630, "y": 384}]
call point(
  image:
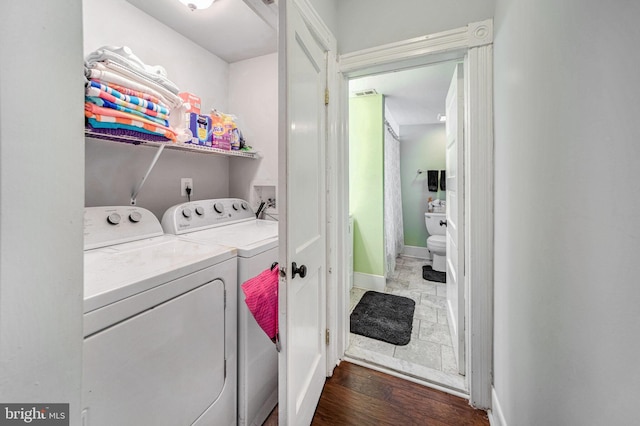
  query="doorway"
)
[
  {"x": 407, "y": 136},
  {"x": 473, "y": 45}
]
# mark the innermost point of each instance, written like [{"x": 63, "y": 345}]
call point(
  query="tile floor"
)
[{"x": 429, "y": 355}]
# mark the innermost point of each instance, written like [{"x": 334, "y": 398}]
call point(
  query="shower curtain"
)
[{"x": 393, "y": 226}]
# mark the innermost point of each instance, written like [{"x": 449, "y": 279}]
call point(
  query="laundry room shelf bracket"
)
[
  {"x": 161, "y": 146},
  {"x": 136, "y": 191}
]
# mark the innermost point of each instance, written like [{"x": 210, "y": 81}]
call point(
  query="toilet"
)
[{"x": 437, "y": 241}]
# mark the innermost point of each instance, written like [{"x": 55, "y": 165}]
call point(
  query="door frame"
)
[{"x": 474, "y": 44}]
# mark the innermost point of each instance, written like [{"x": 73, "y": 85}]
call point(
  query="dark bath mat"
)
[
  {"x": 430, "y": 275},
  {"x": 385, "y": 317}
]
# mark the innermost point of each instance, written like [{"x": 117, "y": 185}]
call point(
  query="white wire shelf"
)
[{"x": 169, "y": 145}]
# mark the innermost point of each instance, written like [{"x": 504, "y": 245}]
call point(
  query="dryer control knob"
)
[
  {"x": 135, "y": 217},
  {"x": 218, "y": 207},
  {"x": 199, "y": 211},
  {"x": 114, "y": 219},
  {"x": 244, "y": 205},
  {"x": 236, "y": 206},
  {"x": 186, "y": 213}
]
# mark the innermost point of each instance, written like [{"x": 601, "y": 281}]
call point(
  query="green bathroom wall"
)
[
  {"x": 422, "y": 147},
  {"x": 366, "y": 179}
]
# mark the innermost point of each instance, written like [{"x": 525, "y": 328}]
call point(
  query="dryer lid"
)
[{"x": 116, "y": 272}]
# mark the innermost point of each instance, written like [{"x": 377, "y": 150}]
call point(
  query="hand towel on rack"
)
[
  {"x": 443, "y": 180},
  {"x": 432, "y": 180},
  {"x": 261, "y": 297}
]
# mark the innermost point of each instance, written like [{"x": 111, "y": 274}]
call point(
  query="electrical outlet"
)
[{"x": 184, "y": 184}]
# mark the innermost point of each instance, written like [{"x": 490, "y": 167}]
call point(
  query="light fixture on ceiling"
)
[
  {"x": 442, "y": 118},
  {"x": 197, "y": 4}
]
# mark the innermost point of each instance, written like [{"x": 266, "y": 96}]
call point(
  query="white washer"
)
[
  {"x": 232, "y": 222},
  {"x": 159, "y": 324}
]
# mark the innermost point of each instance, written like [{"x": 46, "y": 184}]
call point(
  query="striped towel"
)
[
  {"x": 126, "y": 91},
  {"x": 97, "y": 93},
  {"x": 106, "y": 104},
  {"x": 163, "y": 112},
  {"x": 99, "y": 71},
  {"x": 106, "y": 115}
]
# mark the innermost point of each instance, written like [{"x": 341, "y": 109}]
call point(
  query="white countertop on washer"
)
[
  {"x": 249, "y": 238},
  {"x": 116, "y": 272}
]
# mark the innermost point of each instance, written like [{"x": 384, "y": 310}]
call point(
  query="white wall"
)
[
  {"x": 189, "y": 66},
  {"x": 567, "y": 299},
  {"x": 423, "y": 147},
  {"x": 328, "y": 11},
  {"x": 368, "y": 23},
  {"x": 41, "y": 187},
  {"x": 254, "y": 85},
  {"x": 113, "y": 170}
]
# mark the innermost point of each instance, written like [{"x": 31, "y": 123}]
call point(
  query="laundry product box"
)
[
  {"x": 200, "y": 126},
  {"x": 219, "y": 136},
  {"x": 192, "y": 100}
]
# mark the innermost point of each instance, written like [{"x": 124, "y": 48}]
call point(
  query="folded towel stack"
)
[{"x": 124, "y": 94}]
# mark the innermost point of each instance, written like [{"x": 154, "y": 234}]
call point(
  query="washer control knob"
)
[
  {"x": 218, "y": 207},
  {"x": 135, "y": 217},
  {"x": 186, "y": 213},
  {"x": 114, "y": 219},
  {"x": 236, "y": 206},
  {"x": 244, "y": 205},
  {"x": 199, "y": 211}
]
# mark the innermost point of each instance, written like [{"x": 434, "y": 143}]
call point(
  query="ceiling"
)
[
  {"x": 230, "y": 29},
  {"x": 235, "y": 30},
  {"x": 413, "y": 96}
]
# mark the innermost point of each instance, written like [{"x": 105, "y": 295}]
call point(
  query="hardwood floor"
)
[{"x": 359, "y": 396}]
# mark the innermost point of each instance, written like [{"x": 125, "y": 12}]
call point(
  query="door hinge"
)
[
  {"x": 326, "y": 97},
  {"x": 327, "y": 336}
]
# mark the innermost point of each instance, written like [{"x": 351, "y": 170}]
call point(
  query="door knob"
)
[
  {"x": 443, "y": 222},
  {"x": 302, "y": 270}
]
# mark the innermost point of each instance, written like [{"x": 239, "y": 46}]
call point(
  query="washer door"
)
[{"x": 164, "y": 366}]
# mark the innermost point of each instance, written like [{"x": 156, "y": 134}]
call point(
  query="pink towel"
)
[{"x": 261, "y": 297}]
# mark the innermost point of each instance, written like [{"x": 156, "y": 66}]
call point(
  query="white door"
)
[
  {"x": 455, "y": 214},
  {"x": 302, "y": 295}
]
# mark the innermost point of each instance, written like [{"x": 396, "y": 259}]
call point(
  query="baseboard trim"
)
[
  {"x": 496, "y": 416},
  {"x": 420, "y": 252},
  {"x": 369, "y": 282}
]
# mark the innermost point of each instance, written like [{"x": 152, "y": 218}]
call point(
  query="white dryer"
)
[
  {"x": 233, "y": 223},
  {"x": 160, "y": 324}
]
